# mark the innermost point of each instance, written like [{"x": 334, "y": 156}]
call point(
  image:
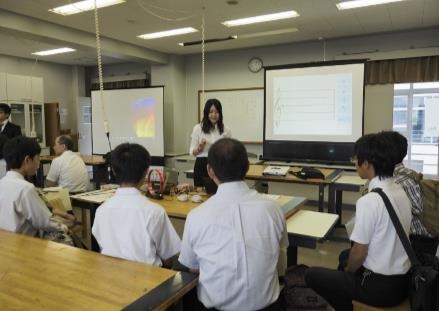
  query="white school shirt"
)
[
  {"x": 21, "y": 209},
  {"x": 234, "y": 239},
  {"x": 3, "y": 125},
  {"x": 210, "y": 138},
  {"x": 2, "y": 168},
  {"x": 69, "y": 171},
  {"x": 129, "y": 226},
  {"x": 373, "y": 226}
]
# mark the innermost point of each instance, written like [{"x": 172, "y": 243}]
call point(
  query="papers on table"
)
[
  {"x": 98, "y": 196},
  {"x": 275, "y": 170},
  {"x": 273, "y": 197},
  {"x": 52, "y": 189}
]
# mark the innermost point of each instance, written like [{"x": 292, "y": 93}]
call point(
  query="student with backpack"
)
[
  {"x": 377, "y": 268},
  {"x": 421, "y": 239}
]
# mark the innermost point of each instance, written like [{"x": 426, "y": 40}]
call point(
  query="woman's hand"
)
[{"x": 201, "y": 146}]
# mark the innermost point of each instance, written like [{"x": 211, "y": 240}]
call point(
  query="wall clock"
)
[{"x": 255, "y": 64}]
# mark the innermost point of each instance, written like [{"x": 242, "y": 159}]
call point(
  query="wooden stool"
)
[{"x": 358, "y": 306}]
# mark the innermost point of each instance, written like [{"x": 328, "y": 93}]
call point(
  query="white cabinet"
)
[
  {"x": 30, "y": 118},
  {"x": 24, "y": 88},
  {"x": 25, "y": 95}
]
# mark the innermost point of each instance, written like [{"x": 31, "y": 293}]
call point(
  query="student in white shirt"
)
[
  {"x": 234, "y": 239},
  {"x": 68, "y": 169},
  {"x": 128, "y": 225},
  {"x": 21, "y": 209},
  {"x": 3, "y": 140},
  {"x": 204, "y": 135},
  {"x": 376, "y": 272}
]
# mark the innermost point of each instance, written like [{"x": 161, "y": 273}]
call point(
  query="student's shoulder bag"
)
[{"x": 424, "y": 276}]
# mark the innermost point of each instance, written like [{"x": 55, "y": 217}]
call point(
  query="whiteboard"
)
[{"x": 243, "y": 111}]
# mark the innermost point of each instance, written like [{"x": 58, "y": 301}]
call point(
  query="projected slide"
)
[
  {"x": 322, "y": 101},
  {"x": 134, "y": 115},
  {"x": 314, "y": 103},
  {"x": 144, "y": 114}
]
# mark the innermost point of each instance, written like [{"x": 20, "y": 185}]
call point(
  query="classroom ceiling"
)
[{"x": 27, "y": 26}]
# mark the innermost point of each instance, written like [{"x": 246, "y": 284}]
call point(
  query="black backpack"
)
[{"x": 296, "y": 294}]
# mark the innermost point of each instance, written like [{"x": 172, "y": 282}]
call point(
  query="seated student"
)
[
  {"x": 128, "y": 225},
  {"x": 376, "y": 273},
  {"x": 234, "y": 239},
  {"x": 68, "y": 169},
  {"x": 21, "y": 209},
  {"x": 422, "y": 241},
  {"x": 3, "y": 140}
]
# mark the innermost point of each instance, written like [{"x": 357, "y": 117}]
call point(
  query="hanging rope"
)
[
  {"x": 101, "y": 83},
  {"x": 149, "y": 11},
  {"x": 203, "y": 58},
  {"x": 33, "y": 132}
]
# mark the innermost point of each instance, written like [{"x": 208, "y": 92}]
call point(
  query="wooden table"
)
[
  {"x": 40, "y": 275},
  {"x": 174, "y": 208},
  {"x": 96, "y": 161},
  {"x": 255, "y": 172}
]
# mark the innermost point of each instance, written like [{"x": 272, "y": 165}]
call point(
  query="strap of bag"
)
[{"x": 398, "y": 227}]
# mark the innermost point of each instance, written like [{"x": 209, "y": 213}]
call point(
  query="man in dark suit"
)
[{"x": 8, "y": 128}]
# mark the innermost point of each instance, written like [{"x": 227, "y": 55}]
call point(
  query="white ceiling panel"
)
[{"x": 28, "y": 24}]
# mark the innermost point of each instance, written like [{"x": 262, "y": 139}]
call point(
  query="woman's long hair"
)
[{"x": 206, "y": 125}]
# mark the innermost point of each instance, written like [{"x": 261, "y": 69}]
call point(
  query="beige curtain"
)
[{"x": 406, "y": 70}]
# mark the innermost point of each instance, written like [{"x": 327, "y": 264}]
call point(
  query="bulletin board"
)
[{"x": 243, "y": 111}]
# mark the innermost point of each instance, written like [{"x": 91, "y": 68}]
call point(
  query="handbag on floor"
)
[
  {"x": 296, "y": 294},
  {"x": 424, "y": 273}
]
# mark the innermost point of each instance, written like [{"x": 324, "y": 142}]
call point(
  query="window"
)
[{"x": 416, "y": 116}]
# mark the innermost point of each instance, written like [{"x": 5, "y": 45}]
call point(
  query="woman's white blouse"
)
[{"x": 198, "y": 135}]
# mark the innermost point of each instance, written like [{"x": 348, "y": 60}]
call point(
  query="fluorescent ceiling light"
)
[
  {"x": 362, "y": 3},
  {"x": 82, "y": 6},
  {"x": 55, "y": 51},
  {"x": 260, "y": 18},
  {"x": 167, "y": 33}
]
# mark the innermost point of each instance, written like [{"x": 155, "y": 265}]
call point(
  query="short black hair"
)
[
  {"x": 3, "y": 140},
  {"x": 228, "y": 159},
  {"x": 130, "y": 163},
  {"x": 66, "y": 140},
  {"x": 16, "y": 149},
  {"x": 374, "y": 149},
  {"x": 398, "y": 143},
  {"x": 5, "y": 108}
]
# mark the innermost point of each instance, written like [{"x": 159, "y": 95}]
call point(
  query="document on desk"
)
[
  {"x": 97, "y": 196},
  {"x": 275, "y": 170}
]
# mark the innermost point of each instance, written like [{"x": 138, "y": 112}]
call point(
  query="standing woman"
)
[{"x": 204, "y": 135}]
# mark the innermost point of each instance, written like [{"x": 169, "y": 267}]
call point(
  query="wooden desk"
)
[
  {"x": 255, "y": 172},
  {"x": 173, "y": 207},
  {"x": 41, "y": 275},
  {"x": 96, "y": 161},
  {"x": 305, "y": 228}
]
